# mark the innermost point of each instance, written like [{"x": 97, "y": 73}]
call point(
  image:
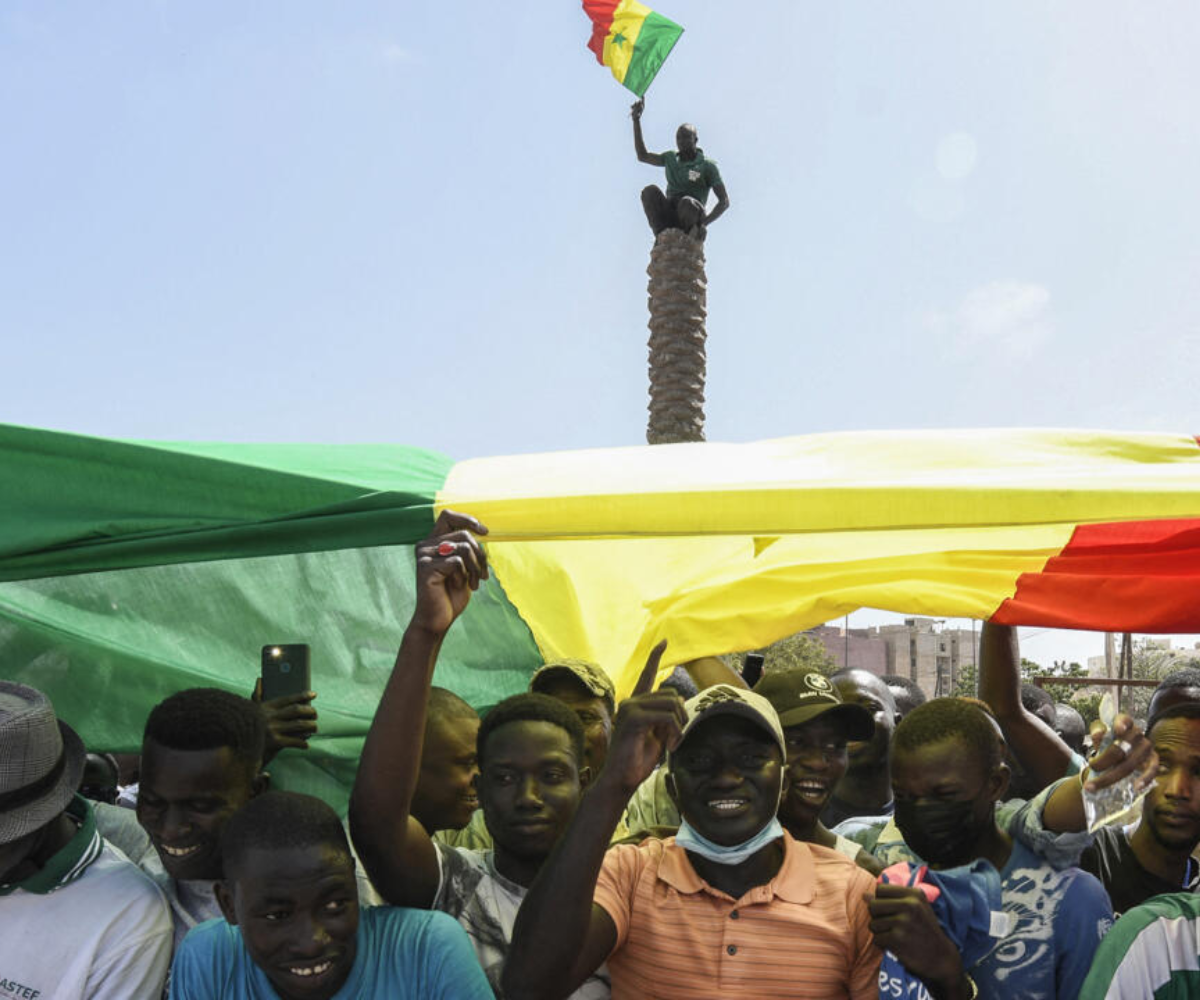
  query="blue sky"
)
[{"x": 420, "y": 223}]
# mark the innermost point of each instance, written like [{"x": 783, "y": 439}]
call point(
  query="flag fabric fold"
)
[
  {"x": 129, "y": 570},
  {"x": 631, "y": 40}
]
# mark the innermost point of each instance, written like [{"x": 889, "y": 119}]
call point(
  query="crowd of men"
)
[{"x": 810, "y": 837}]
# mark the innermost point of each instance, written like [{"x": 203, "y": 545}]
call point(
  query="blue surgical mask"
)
[{"x": 735, "y": 854}]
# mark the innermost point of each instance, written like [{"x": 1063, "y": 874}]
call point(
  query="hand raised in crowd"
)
[
  {"x": 903, "y": 922},
  {"x": 291, "y": 721},
  {"x": 636, "y": 109},
  {"x": 1130, "y": 752},
  {"x": 648, "y": 724},
  {"x": 450, "y": 564}
]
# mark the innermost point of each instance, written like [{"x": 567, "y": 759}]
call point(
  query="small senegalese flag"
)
[{"x": 631, "y": 40}]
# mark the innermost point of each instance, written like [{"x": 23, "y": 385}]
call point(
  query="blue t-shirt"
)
[
  {"x": 402, "y": 954},
  {"x": 1057, "y": 919}
]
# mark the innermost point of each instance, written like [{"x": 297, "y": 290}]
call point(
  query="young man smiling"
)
[
  {"x": 531, "y": 754},
  {"x": 202, "y": 754},
  {"x": 730, "y": 906},
  {"x": 817, "y": 725},
  {"x": 293, "y": 928}
]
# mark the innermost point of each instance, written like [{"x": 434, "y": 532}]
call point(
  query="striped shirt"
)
[
  {"x": 803, "y": 934},
  {"x": 1152, "y": 952}
]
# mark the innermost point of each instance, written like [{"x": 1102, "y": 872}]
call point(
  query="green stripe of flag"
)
[{"x": 654, "y": 43}]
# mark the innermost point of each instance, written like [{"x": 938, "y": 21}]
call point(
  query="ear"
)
[
  {"x": 224, "y": 893},
  {"x": 585, "y": 776},
  {"x": 998, "y": 782},
  {"x": 669, "y": 783},
  {"x": 261, "y": 782}
]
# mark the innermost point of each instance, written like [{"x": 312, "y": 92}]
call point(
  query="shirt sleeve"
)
[
  {"x": 865, "y": 956},
  {"x": 1023, "y": 821},
  {"x": 713, "y": 174},
  {"x": 451, "y": 972},
  {"x": 1084, "y": 917},
  {"x": 616, "y": 884},
  {"x": 137, "y": 973},
  {"x": 194, "y": 973},
  {"x": 457, "y": 879},
  {"x": 1130, "y": 959}
]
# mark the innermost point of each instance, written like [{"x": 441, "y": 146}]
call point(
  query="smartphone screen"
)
[{"x": 285, "y": 670}]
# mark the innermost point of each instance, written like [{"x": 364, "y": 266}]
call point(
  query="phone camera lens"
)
[{"x": 285, "y": 667}]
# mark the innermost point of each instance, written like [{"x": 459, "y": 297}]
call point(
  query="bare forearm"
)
[
  {"x": 639, "y": 145},
  {"x": 709, "y": 671},
  {"x": 717, "y": 212},
  {"x": 1000, "y": 669},
  {"x": 548, "y": 955},
  {"x": 391, "y": 758}
]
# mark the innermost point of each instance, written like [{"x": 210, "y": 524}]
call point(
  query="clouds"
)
[{"x": 1011, "y": 319}]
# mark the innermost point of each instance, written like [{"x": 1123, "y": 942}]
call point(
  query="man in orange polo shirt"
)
[{"x": 731, "y": 906}]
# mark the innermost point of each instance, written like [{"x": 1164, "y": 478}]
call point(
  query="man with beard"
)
[
  {"x": 293, "y": 927},
  {"x": 1156, "y": 857},
  {"x": 730, "y": 904},
  {"x": 947, "y": 775},
  {"x": 816, "y": 728},
  {"x": 866, "y": 788},
  {"x": 530, "y": 752}
]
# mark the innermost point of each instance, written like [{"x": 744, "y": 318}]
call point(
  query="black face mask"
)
[{"x": 942, "y": 833}]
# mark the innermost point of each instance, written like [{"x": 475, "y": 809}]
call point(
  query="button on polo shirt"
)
[{"x": 804, "y": 934}]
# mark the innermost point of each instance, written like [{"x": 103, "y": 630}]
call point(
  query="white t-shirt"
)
[
  {"x": 486, "y": 903},
  {"x": 106, "y": 935}
]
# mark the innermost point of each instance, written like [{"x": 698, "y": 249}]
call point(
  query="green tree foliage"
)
[{"x": 796, "y": 652}]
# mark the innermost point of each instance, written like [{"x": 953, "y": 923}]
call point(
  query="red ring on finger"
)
[{"x": 446, "y": 548}]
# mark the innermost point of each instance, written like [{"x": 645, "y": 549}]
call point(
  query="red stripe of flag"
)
[
  {"x": 601, "y": 13},
  {"x": 1131, "y": 576}
]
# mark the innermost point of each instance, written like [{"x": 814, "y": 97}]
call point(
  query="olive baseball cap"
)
[
  {"x": 590, "y": 675},
  {"x": 725, "y": 699}
]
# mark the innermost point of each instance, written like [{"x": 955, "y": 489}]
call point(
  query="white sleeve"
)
[{"x": 138, "y": 972}]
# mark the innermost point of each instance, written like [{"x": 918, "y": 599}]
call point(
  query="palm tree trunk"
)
[{"x": 678, "y": 289}]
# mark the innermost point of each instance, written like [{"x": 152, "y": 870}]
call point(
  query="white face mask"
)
[{"x": 734, "y": 854}]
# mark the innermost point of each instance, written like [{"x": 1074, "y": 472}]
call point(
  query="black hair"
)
[
  {"x": 277, "y": 821},
  {"x": 1188, "y": 677},
  {"x": 531, "y": 707},
  {"x": 949, "y": 718},
  {"x": 207, "y": 719},
  {"x": 444, "y": 704},
  {"x": 681, "y": 682},
  {"x": 1035, "y": 698},
  {"x": 916, "y": 695}
]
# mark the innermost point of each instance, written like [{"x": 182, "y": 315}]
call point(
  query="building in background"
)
[
  {"x": 860, "y": 649},
  {"x": 923, "y": 650}
]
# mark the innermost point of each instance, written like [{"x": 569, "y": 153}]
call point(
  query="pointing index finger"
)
[{"x": 645, "y": 683}]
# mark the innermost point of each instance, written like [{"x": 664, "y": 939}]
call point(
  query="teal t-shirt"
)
[
  {"x": 693, "y": 178},
  {"x": 402, "y": 954}
]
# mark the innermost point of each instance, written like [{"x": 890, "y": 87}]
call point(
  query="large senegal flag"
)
[
  {"x": 630, "y": 39},
  {"x": 129, "y": 570}
]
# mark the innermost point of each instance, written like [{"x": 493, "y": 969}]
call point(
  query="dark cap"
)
[{"x": 800, "y": 696}]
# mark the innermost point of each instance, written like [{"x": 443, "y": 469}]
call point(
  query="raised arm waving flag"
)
[{"x": 631, "y": 40}]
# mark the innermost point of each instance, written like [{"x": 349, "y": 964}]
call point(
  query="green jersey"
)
[
  {"x": 1152, "y": 953},
  {"x": 693, "y": 178}
]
